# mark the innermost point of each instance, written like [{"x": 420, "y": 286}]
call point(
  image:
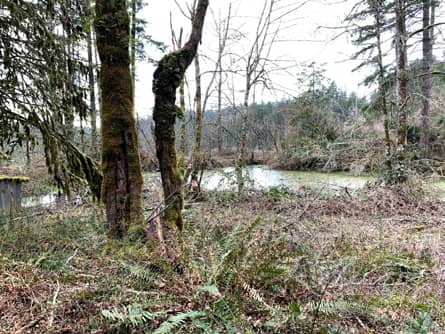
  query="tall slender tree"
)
[
  {"x": 402, "y": 79},
  {"x": 368, "y": 34},
  {"x": 254, "y": 72},
  {"x": 91, "y": 77},
  {"x": 197, "y": 154},
  {"x": 121, "y": 166},
  {"x": 223, "y": 33},
  {"x": 427, "y": 50}
]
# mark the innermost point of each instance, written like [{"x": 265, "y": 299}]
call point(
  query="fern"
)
[
  {"x": 177, "y": 320},
  {"x": 211, "y": 289},
  {"x": 255, "y": 295},
  {"x": 143, "y": 273},
  {"x": 130, "y": 314},
  {"x": 252, "y": 226},
  {"x": 205, "y": 326},
  {"x": 231, "y": 246},
  {"x": 330, "y": 308}
]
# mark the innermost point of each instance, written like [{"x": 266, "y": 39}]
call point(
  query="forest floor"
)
[{"x": 264, "y": 262}]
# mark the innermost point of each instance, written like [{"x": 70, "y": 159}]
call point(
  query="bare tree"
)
[
  {"x": 222, "y": 29},
  {"x": 197, "y": 154},
  {"x": 201, "y": 105},
  {"x": 254, "y": 72}
]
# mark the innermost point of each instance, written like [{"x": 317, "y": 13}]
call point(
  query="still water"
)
[{"x": 262, "y": 177}]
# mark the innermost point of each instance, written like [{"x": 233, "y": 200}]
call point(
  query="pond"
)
[
  {"x": 46, "y": 201},
  {"x": 261, "y": 177}
]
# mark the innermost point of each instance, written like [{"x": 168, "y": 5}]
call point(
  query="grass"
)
[{"x": 266, "y": 262}]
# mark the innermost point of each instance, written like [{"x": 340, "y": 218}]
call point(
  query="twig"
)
[
  {"x": 29, "y": 216},
  {"x": 51, "y": 318},
  {"x": 29, "y": 325},
  {"x": 72, "y": 256},
  {"x": 308, "y": 205}
]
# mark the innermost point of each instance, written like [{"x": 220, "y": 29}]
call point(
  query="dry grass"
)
[{"x": 269, "y": 262}]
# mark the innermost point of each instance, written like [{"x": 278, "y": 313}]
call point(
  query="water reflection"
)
[
  {"x": 46, "y": 201},
  {"x": 260, "y": 177}
]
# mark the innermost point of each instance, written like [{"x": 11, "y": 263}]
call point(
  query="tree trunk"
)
[
  {"x": 243, "y": 139},
  {"x": 167, "y": 78},
  {"x": 91, "y": 83},
  {"x": 197, "y": 155},
  {"x": 427, "y": 48},
  {"x": 219, "y": 119},
  {"x": 223, "y": 33},
  {"x": 183, "y": 128},
  {"x": 133, "y": 43},
  {"x": 382, "y": 90},
  {"x": 121, "y": 165},
  {"x": 402, "y": 78}
]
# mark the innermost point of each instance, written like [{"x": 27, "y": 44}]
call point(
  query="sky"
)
[{"x": 305, "y": 36}]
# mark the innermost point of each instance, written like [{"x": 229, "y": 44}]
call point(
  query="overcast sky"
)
[{"x": 302, "y": 40}]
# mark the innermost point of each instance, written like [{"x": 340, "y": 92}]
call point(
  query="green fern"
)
[
  {"x": 211, "y": 289},
  {"x": 177, "y": 320},
  {"x": 330, "y": 308},
  {"x": 131, "y": 314},
  {"x": 205, "y": 326},
  {"x": 142, "y": 273}
]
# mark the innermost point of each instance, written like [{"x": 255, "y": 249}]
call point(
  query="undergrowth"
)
[{"x": 266, "y": 262}]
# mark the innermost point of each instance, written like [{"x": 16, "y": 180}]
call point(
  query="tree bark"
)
[
  {"x": 197, "y": 155},
  {"x": 133, "y": 43},
  {"x": 402, "y": 78},
  {"x": 219, "y": 119},
  {"x": 121, "y": 165},
  {"x": 183, "y": 128},
  {"x": 223, "y": 32},
  {"x": 91, "y": 83},
  {"x": 427, "y": 50},
  {"x": 382, "y": 91},
  {"x": 167, "y": 78},
  {"x": 243, "y": 139}
]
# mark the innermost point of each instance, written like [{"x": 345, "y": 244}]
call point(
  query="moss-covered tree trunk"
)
[
  {"x": 183, "y": 127},
  {"x": 121, "y": 166},
  {"x": 133, "y": 43},
  {"x": 167, "y": 78}
]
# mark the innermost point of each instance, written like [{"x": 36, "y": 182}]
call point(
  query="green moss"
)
[
  {"x": 14, "y": 178},
  {"x": 136, "y": 233},
  {"x": 121, "y": 165}
]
